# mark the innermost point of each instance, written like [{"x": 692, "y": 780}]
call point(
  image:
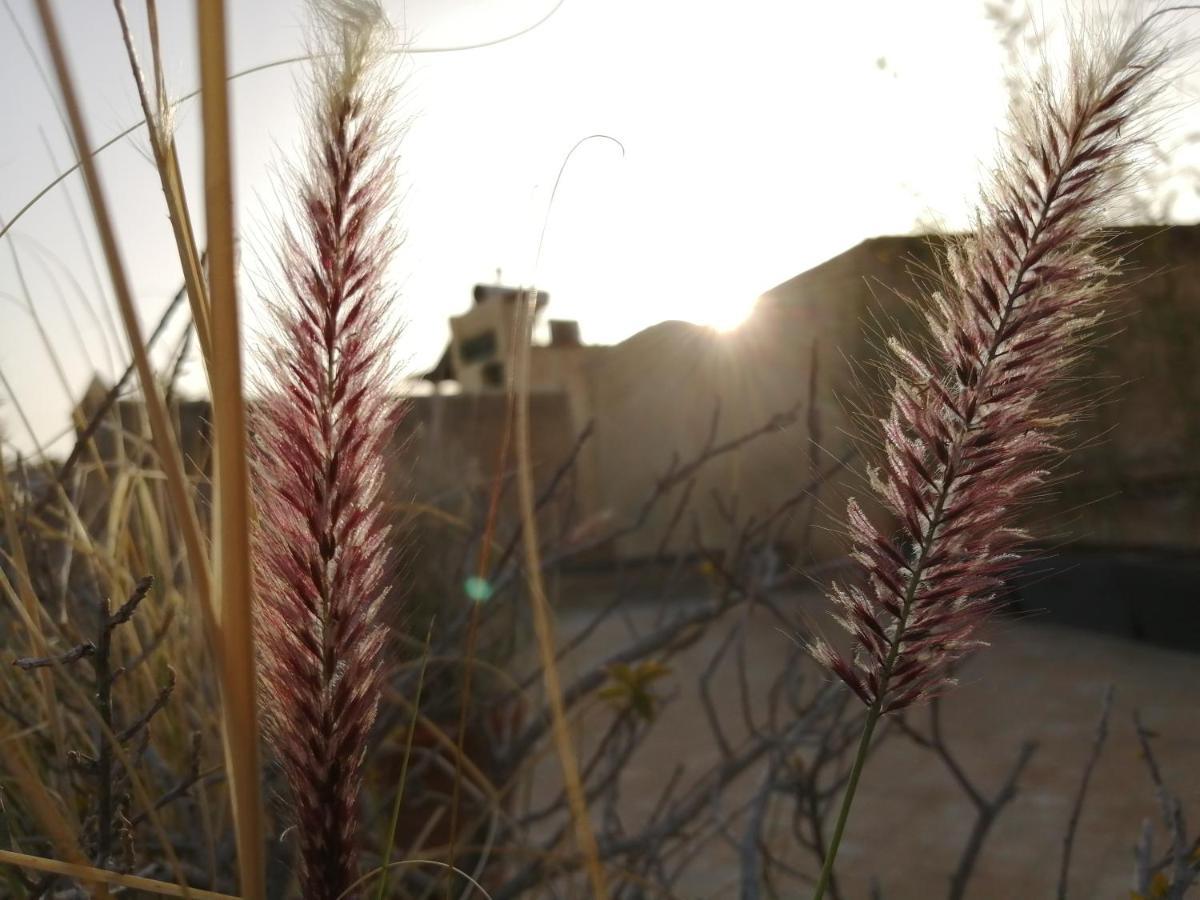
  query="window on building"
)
[
  {"x": 478, "y": 347},
  {"x": 493, "y": 375}
]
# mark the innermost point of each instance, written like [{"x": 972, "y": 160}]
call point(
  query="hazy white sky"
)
[{"x": 760, "y": 137}]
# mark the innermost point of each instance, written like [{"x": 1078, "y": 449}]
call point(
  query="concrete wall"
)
[
  {"x": 1133, "y": 478},
  {"x": 1135, "y": 481},
  {"x": 656, "y": 396},
  {"x": 452, "y": 442}
]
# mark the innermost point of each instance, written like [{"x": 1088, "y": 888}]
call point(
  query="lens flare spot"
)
[{"x": 477, "y": 588}]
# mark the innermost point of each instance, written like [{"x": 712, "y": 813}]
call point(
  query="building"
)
[
  {"x": 1134, "y": 477},
  {"x": 659, "y": 397}
]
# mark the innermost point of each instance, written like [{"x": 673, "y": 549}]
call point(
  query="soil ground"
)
[{"x": 1036, "y": 681}]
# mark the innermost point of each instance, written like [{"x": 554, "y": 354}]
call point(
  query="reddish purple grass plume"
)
[
  {"x": 321, "y": 429},
  {"x": 974, "y": 413}
]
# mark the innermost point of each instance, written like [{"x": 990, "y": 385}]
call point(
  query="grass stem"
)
[
  {"x": 239, "y": 699},
  {"x": 860, "y": 759},
  {"x": 408, "y": 745}
]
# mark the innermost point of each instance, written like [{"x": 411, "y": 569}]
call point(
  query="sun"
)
[{"x": 725, "y": 313}]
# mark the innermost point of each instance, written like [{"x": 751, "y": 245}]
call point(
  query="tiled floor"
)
[{"x": 1035, "y": 681}]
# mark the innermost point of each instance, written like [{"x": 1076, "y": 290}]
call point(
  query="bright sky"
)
[{"x": 760, "y": 138}]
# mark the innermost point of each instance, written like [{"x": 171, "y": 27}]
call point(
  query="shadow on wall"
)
[{"x": 1143, "y": 595}]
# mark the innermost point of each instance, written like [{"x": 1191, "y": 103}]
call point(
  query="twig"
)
[
  {"x": 1077, "y": 808},
  {"x": 752, "y": 838},
  {"x": 164, "y": 694},
  {"x": 548, "y": 491},
  {"x": 102, "y": 668},
  {"x": 150, "y": 646},
  {"x": 984, "y": 821},
  {"x": 76, "y": 653},
  {"x": 676, "y": 474},
  {"x": 987, "y": 809},
  {"x": 1184, "y": 870},
  {"x": 683, "y": 813},
  {"x": 129, "y": 607},
  {"x": 684, "y": 630},
  {"x": 185, "y": 784}
]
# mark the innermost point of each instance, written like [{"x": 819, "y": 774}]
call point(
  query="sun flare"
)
[{"x": 725, "y": 313}]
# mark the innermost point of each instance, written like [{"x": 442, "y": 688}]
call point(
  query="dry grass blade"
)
[
  {"x": 253, "y": 70},
  {"x": 390, "y": 843},
  {"x": 519, "y": 388},
  {"x": 541, "y": 612},
  {"x": 431, "y": 729},
  {"x": 166, "y": 161},
  {"x": 102, "y": 877},
  {"x": 44, "y": 806},
  {"x": 31, "y": 612},
  {"x": 46, "y": 809},
  {"x": 435, "y": 863},
  {"x": 161, "y": 428},
  {"x": 163, "y": 435},
  {"x": 232, "y": 546}
]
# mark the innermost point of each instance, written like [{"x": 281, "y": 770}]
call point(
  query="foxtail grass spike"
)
[
  {"x": 324, "y": 419},
  {"x": 975, "y": 413},
  {"x": 974, "y": 416}
]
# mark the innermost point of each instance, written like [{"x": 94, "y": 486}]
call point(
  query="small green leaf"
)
[{"x": 628, "y": 688}]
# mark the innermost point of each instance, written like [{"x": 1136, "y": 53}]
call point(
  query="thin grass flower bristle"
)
[
  {"x": 975, "y": 411},
  {"x": 321, "y": 426}
]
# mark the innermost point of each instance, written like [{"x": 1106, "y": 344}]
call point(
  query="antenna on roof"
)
[{"x": 498, "y": 279}]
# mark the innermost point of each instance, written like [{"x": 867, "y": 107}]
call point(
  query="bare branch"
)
[
  {"x": 1077, "y": 807},
  {"x": 76, "y": 653}
]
